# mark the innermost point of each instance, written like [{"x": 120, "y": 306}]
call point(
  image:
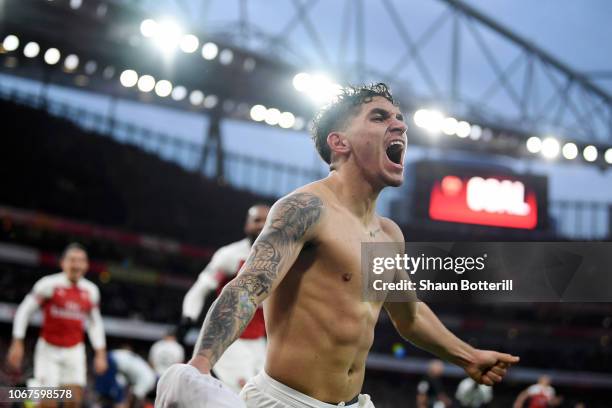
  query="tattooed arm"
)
[{"x": 291, "y": 223}]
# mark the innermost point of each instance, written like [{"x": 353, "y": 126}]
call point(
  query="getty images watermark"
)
[
  {"x": 411, "y": 265},
  {"x": 487, "y": 271}
]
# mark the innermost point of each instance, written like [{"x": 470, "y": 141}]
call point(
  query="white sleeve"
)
[
  {"x": 95, "y": 330},
  {"x": 22, "y": 315},
  {"x": 207, "y": 282},
  {"x": 41, "y": 290}
]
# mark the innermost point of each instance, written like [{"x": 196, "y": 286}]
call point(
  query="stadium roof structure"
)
[{"x": 241, "y": 60}]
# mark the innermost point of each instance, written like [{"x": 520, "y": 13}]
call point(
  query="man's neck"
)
[{"x": 355, "y": 193}]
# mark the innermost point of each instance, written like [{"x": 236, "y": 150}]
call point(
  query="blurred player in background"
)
[
  {"x": 125, "y": 369},
  {"x": 245, "y": 358},
  {"x": 473, "y": 395},
  {"x": 539, "y": 395},
  {"x": 165, "y": 352},
  {"x": 430, "y": 390},
  {"x": 67, "y": 300}
]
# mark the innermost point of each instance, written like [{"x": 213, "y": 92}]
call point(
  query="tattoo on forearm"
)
[{"x": 232, "y": 311}]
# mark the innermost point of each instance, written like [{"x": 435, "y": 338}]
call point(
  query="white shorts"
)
[
  {"x": 183, "y": 386},
  {"x": 55, "y": 366},
  {"x": 262, "y": 391},
  {"x": 242, "y": 360}
]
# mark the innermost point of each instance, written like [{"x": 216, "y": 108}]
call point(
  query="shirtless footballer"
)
[{"x": 306, "y": 266}]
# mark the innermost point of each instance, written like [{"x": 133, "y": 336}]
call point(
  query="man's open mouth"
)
[{"x": 394, "y": 151}]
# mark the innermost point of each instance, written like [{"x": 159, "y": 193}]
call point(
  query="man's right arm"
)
[
  {"x": 20, "y": 323},
  {"x": 291, "y": 223}
]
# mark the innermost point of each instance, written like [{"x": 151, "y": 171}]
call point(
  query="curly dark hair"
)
[{"x": 334, "y": 116}]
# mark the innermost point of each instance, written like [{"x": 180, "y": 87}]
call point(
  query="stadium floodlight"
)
[
  {"x": 52, "y": 56},
  {"x": 299, "y": 123},
  {"x": 226, "y": 57},
  {"x": 10, "y": 43},
  {"x": 109, "y": 72},
  {"x": 31, "y": 49},
  {"x": 608, "y": 156},
  {"x": 128, "y": 78},
  {"x": 550, "y": 148},
  {"x": 590, "y": 153},
  {"x": 322, "y": 89},
  {"x": 168, "y": 36},
  {"x": 449, "y": 126},
  {"x": 90, "y": 67},
  {"x": 534, "y": 144},
  {"x": 258, "y": 113},
  {"x": 163, "y": 88},
  {"x": 179, "y": 93},
  {"x": 75, "y": 4},
  {"x": 209, "y": 51},
  {"x": 570, "y": 151},
  {"x": 249, "y": 64},
  {"x": 71, "y": 62},
  {"x": 475, "y": 132},
  {"x": 196, "y": 97},
  {"x": 146, "y": 83},
  {"x": 430, "y": 120},
  {"x": 149, "y": 28},
  {"x": 189, "y": 43},
  {"x": 464, "y": 129},
  {"x": 272, "y": 116},
  {"x": 286, "y": 120},
  {"x": 211, "y": 101},
  {"x": 301, "y": 81}
]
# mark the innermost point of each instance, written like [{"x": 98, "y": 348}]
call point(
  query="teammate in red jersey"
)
[
  {"x": 67, "y": 301},
  {"x": 245, "y": 357}
]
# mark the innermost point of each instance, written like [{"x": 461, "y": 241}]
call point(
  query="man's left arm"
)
[
  {"x": 97, "y": 337},
  {"x": 417, "y": 323}
]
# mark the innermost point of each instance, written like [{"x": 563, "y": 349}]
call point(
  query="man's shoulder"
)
[
  {"x": 234, "y": 246},
  {"x": 51, "y": 280},
  {"x": 390, "y": 227}
]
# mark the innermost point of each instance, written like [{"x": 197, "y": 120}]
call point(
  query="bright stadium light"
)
[
  {"x": 179, "y": 93},
  {"x": 534, "y": 144},
  {"x": 570, "y": 151},
  {"x": 550, "y": 148},
  {"x": 52, "y": 56},
  {"x": 189, "y": 43},
  {"x": 430, "y": 120},
  {"x": 299, "y": 123},
  {"x": 149, "y": 28},
  {"x": 31, "y": 49},
  {"x": 211, "y": 101},
  {"x": 258, "y": 113},
  {"x": 464, "y": 129},
  {"x": 272, "y": 116},
  {"x": 168, "y": 36},
  {"x": 608, "y": 156},
  {"x": 196, "y": 97},
  {"x": 322, "y": 89},
  {"x": 209, "y": 51},
  {"x": 590, "y": 153},
  {"x": 146, "y": 83},
  {"x": 449, "y": 126},
  {"x": 249, "y": 64},
  {"x": 475, "y": 132},
  {"x": 163, "y": 88},
  {"x": 226, "y": 57},
  {"x": 10, "y": 43},
  {"x": 71, "y": 62},
  {"x": 301, "y": 81},
  {"x": 128, "y": 78},
  {"x": 286, "y": 120},
  {"x": 75, "y": 4},
  {"x": 90, "y": 67}
]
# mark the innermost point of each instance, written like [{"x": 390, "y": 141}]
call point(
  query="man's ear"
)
[{"x": 338, "y": 143}]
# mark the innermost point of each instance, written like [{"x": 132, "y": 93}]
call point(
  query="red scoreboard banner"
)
[{"x": 479, "y": 195}]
